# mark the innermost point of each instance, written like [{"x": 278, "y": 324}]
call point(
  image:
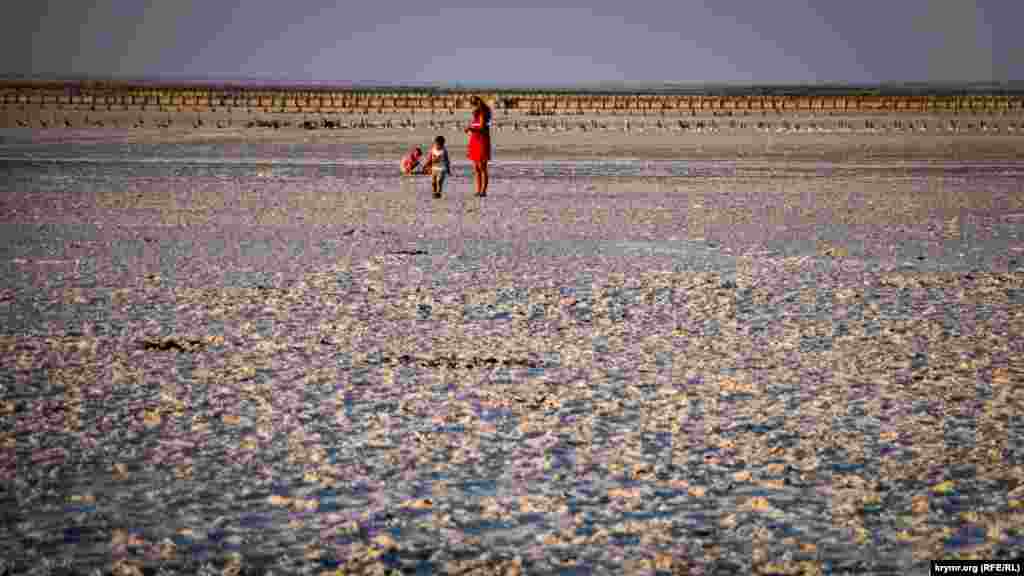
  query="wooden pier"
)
[
  {"x": 72, "y": 105},
  {"x": 99, "y": 97}
]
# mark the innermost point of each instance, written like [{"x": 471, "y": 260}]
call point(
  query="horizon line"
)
[{"x": 678, "y": 86}]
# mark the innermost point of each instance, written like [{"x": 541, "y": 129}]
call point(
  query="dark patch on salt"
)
[{"x": 169, "y": 344}]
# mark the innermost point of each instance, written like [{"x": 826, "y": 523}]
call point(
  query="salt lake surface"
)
[{"x": 282, "y": 356}]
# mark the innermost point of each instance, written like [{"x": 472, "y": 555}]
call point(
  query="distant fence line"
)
[{"x": 200, "y": 99}]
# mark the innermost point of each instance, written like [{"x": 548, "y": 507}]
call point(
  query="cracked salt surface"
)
[{"x": 721, "y": 368}]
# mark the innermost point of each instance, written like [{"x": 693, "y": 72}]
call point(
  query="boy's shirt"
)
[{"x": 438, "y": 160}]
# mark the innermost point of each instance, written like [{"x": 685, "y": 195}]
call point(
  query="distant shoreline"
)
[{"x": 1009, "y": 88}]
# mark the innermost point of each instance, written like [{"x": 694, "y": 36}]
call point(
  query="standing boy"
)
[{"x": 439, "y": 165}]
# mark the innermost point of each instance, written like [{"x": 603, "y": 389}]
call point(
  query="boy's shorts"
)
[{"x": 439, "y": 176}]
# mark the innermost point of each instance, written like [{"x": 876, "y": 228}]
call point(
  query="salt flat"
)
[{"x": 778, "y": 353}]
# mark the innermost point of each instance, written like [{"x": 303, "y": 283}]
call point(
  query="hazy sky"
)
[{"x": 520, "y": 41}]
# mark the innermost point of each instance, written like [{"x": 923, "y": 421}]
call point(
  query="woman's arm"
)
[
  {"x": 481, "y": 121},
  {"x": 477, "y": 125}
]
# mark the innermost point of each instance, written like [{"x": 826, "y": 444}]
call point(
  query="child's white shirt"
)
[{"x": 439, "y": 160}]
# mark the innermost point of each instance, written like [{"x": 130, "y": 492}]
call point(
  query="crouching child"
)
[{"x": 411, "y": 161}]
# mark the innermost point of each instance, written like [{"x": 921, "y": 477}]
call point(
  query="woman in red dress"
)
[{"x": 479, "y": 151}]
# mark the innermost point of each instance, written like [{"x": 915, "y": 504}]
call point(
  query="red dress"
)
[{"x": 480, "y": 136}]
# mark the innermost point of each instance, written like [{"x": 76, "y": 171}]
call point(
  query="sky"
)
[{"x": 519, "y": 42}]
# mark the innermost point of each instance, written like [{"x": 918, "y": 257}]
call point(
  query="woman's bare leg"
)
[
  {"x": 484, "y": 177},
  {"x": 477, "y": 177}
]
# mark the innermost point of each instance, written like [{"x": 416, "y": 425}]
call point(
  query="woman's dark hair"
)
[
  {"x": 478, "y": 102},
  {"x": 439, "y": 141}
]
